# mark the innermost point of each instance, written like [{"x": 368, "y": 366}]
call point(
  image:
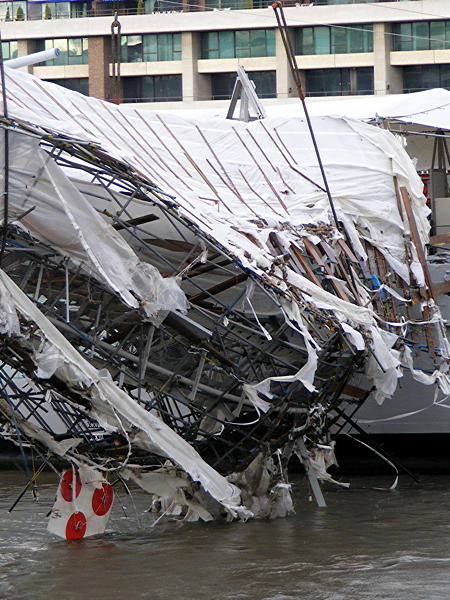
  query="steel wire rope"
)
[{"x": 6, "y": 164}]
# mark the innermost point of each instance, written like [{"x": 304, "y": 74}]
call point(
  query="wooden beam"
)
[
  {"x": 321, "y": 260},
  {"x": 220, "y": 287},
  {"x": 442, "y": 239},
  {"x": 172, "y": 245},
  {"x": 136, "y": 221},
  {"x": 305, "y": 265},
  {"x": 441, "y": 288},
  {"x": 416, "y": 238}
]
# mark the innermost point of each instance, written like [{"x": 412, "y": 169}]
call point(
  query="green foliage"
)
[
  {"x": 47, "y": 12},
  {"x": 140, "y": 7},
  {"x": 20, "y": 15},
  {"x": 8, "y": 15}
]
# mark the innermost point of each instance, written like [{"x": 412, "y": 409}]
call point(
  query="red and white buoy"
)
[{"x": 83, "y": 504}]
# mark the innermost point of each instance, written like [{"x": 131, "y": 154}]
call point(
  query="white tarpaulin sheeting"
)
[
  {"x": 430, "y": 108},
  {"x": 238, "y": 182},
  {"x": 60, "y": 216},
  {"x": 250, "y": 171}
]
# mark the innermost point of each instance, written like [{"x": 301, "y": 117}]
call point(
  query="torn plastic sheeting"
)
[
  {"x": 382, "y": 342},
  {"x": 251, "y": 391},
  {"x": 385, "y": 288},
  {"x": 376, "y": 153},
  {"x": 397, "y": 264},
  {"x": 9, "y": 321},
  {"x": 439, "y": 376},
  {"x": 104, "y": 393},
  {"x": 307, "y": 372},
  {"x": 325, "y": 300},
  {"x": 321, "y": 459},
  {"x": 249, "y": 291},
  {"x": 64, "y": 219},
  {"x": 49, "y": 361},
  {"x": 161, "y": 483},
  {"x": 352, "y": 233},
  {"x": 383, "y": 366},
  {"x": 355, "y": 336},
  {"x": 316, "y": 461},
  {"x": 383, "y": 457},
  {"x": 169, "y": 491},
  {"x": 403, "y": 169},
  {"x": 262, "y": 491}
]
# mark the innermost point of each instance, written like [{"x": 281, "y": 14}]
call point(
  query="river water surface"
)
[{"x": 367, "y": 544}]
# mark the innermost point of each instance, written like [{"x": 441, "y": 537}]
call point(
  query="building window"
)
[
  {"x": 77, "y": 84},
  {"x": 74, "y": 51},
  {"x": 339, "y": 82},
  {"x": 80, "y": 9},
  {"x": 238, "y": 44},
  {"x": 151, "y": 47},
  {"x": 425, "y": 77},
  {"x": 9, "y": 50},
  {"x": 423, "y": 35},
  {"x": 222, "y": 84},
  {"x": 152, "y": 6},
  {"x": 65, "y": 10},
  {"x": 55, "y": 10},
  {"x": 152, "y": 88},
  {"x": 334, "y": 40},
  {"x": 234, "y": 4},
  {"x": 13, "y": 11}
]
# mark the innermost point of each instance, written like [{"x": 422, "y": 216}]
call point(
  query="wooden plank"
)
[
  {"x": 321, "y": 260},
  {"x": 305, "y": 265},
  {"x": 407, "y": 307},
  {"x": 383, "y": 275},
  {"x": 399, "y": 201},
  {"x": 370, "y": 250},
  {"x": 136, "y": 221},
  {"x": 172, "y": 245},
  {"x": 442, "y": 239},
  {"x": 347, "y": 251},
  {"x": 421, "y": 255},
  {"x": 441, "y": 288},
  {"x": 348, "y": 278},
  {"x": 416, "y": 238},
  {"x": 220, "y": 287},
  {"x": 351, "y": 390}
]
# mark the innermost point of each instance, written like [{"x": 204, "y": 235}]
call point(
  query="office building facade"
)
[{"x": 186, "y": 53}]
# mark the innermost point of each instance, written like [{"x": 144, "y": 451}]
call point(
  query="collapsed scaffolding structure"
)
[{"x": 183, "y": 307}]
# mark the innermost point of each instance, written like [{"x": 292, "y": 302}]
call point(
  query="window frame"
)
[
  {"x": 65, "y": 58},
  {"x": 239, "y": 43},
  {"x": 173, "y": 47},
  {"x": 326, "y": 39},
  {"x": 406, "y": 38}
]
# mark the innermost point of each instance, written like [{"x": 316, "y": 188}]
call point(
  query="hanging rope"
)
[{"x": 6, "y": 150}]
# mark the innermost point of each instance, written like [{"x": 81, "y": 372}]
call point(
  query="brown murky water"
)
[{"x": 367, "y": 544}]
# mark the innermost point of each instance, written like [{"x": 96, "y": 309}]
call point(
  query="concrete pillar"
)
[
  {"x": 285, "y": 81},
  {"x": 386, "y": 78},
  {"x": 25, "y": 47},
  {"x": 99, "y": 58},
  {"x": 196, "y": 86}
]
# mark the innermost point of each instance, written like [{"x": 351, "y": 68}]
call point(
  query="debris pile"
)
[{"x": 182, "y": 307}]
